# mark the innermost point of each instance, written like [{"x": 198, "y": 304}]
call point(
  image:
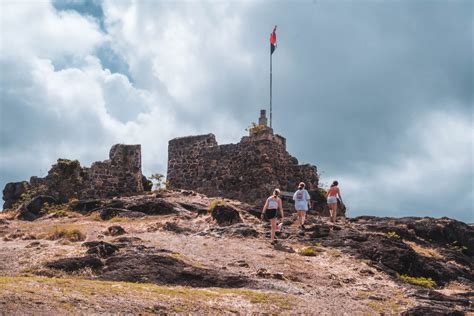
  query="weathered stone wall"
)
[
  {"x": 119, "y": 175},
  {"x": 247, "y": 171}
]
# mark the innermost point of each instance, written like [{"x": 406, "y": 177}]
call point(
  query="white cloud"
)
[
  {"x": 424, "y": 176},
  {"x": 35, "y": 28}
]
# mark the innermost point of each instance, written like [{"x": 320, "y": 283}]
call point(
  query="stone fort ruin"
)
[
  {"x": 247, "y": 171},
  {"x": 121, "y": 174}
]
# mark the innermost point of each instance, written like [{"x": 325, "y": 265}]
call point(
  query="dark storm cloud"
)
[{"x": 377, "y": 94}]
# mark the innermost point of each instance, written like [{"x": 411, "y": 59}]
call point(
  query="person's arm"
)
[
  {"x": 339, "y": 193},
  {"x": 309, "y": 200},
  {"x": 280, "y": 206},
  {"x": 264, "y": 209}
]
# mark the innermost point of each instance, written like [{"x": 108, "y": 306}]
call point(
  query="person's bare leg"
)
[
  {"x": 273, "y": 228},
  {"x": 334, "y": 212}
]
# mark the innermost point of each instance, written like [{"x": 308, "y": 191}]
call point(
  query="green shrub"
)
[
  {"x": 215, "y": 203},
  {"x": 307, "y": 251},
  {"x": 254, "y": 128},
  {"x": 421, "y": 281},
  {"x": 67, "y": 234},
  {"x": 393, "y": 235}
]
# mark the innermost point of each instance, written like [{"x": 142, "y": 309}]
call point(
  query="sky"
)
[{"x": 376, "y": 94}]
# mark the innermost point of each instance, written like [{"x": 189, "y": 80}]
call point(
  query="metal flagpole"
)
[{"x": 270, "y": 88}]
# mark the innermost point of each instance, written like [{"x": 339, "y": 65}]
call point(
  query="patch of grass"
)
[
  {"x": 428, "y": 252},
  {"x": 184, "y": 298},
  {"x": 72, "y": 235},
  {"x": 307, "y": 251},
  {"x": 376, "y": 306},
  {"x": 393, "y": 235},
  {"x": 215, "y": 203},
  {"x": 95, "y": 217},
  {"x": 334, "y": 253},
  {"x": 118, "y": 219},
  {"x": 421, "y": 281}
]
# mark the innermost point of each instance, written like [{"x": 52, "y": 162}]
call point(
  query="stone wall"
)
[
  {"x": 247, "y": 171},
  {"x": 119, "y": 175}
]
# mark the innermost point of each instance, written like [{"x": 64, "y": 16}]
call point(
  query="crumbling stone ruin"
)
[
  {"x": 121, "y": 174},
  {"x": 247, "y": 171}
]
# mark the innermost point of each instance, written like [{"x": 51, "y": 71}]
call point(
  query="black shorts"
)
[{"x": 271, "y": 213}]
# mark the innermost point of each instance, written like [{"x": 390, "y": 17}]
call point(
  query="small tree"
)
[{"x": 158, "y": 180}]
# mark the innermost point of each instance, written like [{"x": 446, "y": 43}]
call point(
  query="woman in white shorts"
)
[
  {"x": 302, "y": 203},
  {"x": 332, "y": 195}
]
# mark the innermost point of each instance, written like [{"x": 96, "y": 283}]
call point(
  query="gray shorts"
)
[{"x": 332, "y": 200}]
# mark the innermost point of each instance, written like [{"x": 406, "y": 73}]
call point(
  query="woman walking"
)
[
  {"x": 332, "y": 196},
  {"x": 302, "y": 203},
  {"x": 272, "y": 205}
]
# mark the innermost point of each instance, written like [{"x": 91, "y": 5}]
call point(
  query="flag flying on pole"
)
[{"x": 273, "y": 40}]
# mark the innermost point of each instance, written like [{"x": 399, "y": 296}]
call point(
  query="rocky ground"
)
[{"x": 164, "y": 252}]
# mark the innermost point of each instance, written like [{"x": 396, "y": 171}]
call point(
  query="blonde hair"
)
[
  {"x": 301, "y": 185},
  {"x": 276, "y": 192}
]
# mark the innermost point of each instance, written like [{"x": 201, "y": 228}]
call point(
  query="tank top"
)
[
  {"x": 332, "y": 191},
  {"x": 272, "y": 203}
]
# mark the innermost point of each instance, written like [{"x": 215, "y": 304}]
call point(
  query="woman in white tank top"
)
[{"x": 272, "y": 205}]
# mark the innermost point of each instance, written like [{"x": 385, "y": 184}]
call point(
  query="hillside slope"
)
[{"x": 164, "y": 252}]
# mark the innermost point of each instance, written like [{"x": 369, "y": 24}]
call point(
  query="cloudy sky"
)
[{"x": 376, "y": 94}]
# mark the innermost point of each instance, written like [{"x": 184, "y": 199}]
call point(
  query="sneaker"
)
[{"x": 302, "y": 227}]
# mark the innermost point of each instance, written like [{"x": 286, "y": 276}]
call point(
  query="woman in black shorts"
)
[{"x": 272, "y": 205}]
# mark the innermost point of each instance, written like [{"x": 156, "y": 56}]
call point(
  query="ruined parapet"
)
[
  {"x": 67, "y": 179},
  {"x": 184, "y": 153},
  {"x": 119, "y": 175},
  {"x": 247, "y": 171}
]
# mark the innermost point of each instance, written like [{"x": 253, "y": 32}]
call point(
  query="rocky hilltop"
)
[
  {"x": 178, "y": 251},
  {"x": 97, "y": 240}
]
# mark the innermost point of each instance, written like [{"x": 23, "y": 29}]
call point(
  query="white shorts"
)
[
  {"x": 332, "y": 200},
  {"x": 301, "y": 206}
]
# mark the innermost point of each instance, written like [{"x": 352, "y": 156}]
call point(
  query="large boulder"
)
[
  {"x": 34, "y": 208},
  {"x": 100, "y": 248},
  {"x": 12, "y": 193},
  {"x": 85, "y": 206},
  {"x": 225, "y": 215},
  {"x": 150, "y": 206}
]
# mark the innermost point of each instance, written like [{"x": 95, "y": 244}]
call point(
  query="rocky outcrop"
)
[
  {"x": 75, "y": 263},
  {"x": 396, "y": 247},
  {"x": 34, "y": 208},
  {"x": 13, "y": 192},
  {"x": 119, "y": 175}
]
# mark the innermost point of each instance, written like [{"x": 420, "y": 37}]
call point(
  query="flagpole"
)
[{"x": 270, "y": 89}]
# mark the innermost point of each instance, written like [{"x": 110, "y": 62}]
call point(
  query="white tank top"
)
[{"x": 272, "y": 203}]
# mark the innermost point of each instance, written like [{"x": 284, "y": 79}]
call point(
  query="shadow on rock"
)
[{"x": 163, "y": 269}]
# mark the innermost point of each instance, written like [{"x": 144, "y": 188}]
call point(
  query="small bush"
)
[
  {"x": 421, "y": 281},
  {"x": 215, "y": 203},
  {"x": 393, "y": 235},
  {"x": 67, "y": 234},
  {"x": 307, "y": 251},
  {"x": 254, "y": 128}
]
